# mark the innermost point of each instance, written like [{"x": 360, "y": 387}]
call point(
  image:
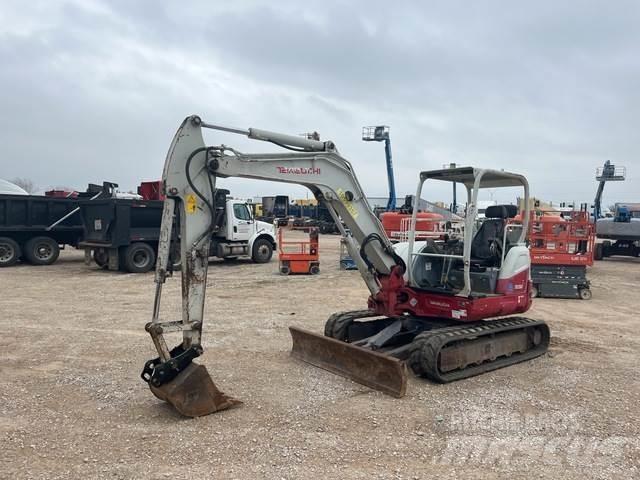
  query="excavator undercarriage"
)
[
  {"x": 374, "y": 352},
  {"x": 444, "y": 309}
]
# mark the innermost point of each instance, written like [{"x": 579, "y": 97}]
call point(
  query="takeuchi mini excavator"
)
[{"x": 434, "y": 305}]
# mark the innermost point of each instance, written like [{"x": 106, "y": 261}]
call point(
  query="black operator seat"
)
[{"x": 486, "y": 246}]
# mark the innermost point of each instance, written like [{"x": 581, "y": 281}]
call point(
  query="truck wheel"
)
[
  {"x": 101, "y": 257},
  {"x": 534, "y": 291},
  {"x": 262, "y": 251},
  {"x": 314, "y": 270},
  {"x": 284, "y": 270},
  {"x": 597, "y": 253},
  {"x": 9, "y": 252},
  {"x": 41, "y": 251},
  {"x": 139, "y": 257}
]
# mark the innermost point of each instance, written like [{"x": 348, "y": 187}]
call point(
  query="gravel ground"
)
[{"x": 72, "y": 404}]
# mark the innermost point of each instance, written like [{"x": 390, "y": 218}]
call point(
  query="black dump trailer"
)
[
  {"x": 33, "y": 228},
  {"x": 121, "y": 234}
]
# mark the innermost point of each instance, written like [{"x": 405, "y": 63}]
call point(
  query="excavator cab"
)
[
  {"x": 490, "y": 243},
  {"x": 471, "y": 265}
]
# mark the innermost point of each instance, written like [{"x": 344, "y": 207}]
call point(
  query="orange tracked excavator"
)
[{"x": 433, "y": 304}]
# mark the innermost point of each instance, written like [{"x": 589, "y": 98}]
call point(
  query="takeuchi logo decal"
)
[{"x": 299, "y": 170}]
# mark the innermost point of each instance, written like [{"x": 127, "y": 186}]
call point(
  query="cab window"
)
[{"x": 241, "y": 211}]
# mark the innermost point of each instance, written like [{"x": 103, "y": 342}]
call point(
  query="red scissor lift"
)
[
  {"x": 561, "y": 247},
  {"x": 299, "y": 256}
]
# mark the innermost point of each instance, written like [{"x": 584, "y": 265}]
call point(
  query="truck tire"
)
[
  {"x": 139, "y": 257},
  {"x": 101, "y": 257},
  {"x": 9, "y": 252},
  {"x": 262, "y": 251},
  {"x": 598, "y": 252},
  {"x": 41, "y": 251}
]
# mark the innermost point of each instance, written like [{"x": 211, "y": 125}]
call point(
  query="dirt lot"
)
[{"x": 72, "y": 404}]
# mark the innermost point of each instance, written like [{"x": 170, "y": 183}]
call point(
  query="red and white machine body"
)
[
  {"x": 423, "y": 289},
  {"x": 497, "y": 284}
]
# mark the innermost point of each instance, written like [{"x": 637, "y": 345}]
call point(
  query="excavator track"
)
[
  {"x": 337, "y": 325},
  {"x": 453, "y": 353},
  {"x": 374, "y": 352}
]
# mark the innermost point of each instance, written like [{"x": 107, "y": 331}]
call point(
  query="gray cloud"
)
[{"x": 94, "y": 90}]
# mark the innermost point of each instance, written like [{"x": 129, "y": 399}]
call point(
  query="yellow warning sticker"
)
[
  {"x": 353, "y": 211},
  {"x": 191, "y": 203}
]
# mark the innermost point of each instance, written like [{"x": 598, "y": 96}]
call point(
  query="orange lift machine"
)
[
  {"x": 561, "y": 247},
  {"x": 297, "y": 255}
]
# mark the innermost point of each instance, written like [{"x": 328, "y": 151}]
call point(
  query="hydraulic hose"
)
[{"x": 386, "y": 247}]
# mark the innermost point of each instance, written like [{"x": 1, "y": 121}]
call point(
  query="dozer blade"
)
[
  {"x": 375, "y": 370},
  {"x": 193, "y": 393}
]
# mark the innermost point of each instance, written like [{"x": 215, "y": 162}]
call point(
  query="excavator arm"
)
[{"x": 189, "y": 177}]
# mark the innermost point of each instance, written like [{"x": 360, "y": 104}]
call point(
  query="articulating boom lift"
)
[{"x": 427, "y": 299}]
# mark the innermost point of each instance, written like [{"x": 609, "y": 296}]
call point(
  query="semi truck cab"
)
[{"x": 242, "y": 235}]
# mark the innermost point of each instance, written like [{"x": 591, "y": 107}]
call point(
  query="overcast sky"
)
[{"x": 94, "y": 90}]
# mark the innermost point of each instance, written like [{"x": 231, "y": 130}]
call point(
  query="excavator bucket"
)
[
  {"x": 193, "y": 393},
  {"x": 375, "y": 370}
]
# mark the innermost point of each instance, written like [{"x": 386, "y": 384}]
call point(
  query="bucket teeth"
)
[
  {"x": 377, "y": 371},
  {"x": 193, "y": 393}
]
